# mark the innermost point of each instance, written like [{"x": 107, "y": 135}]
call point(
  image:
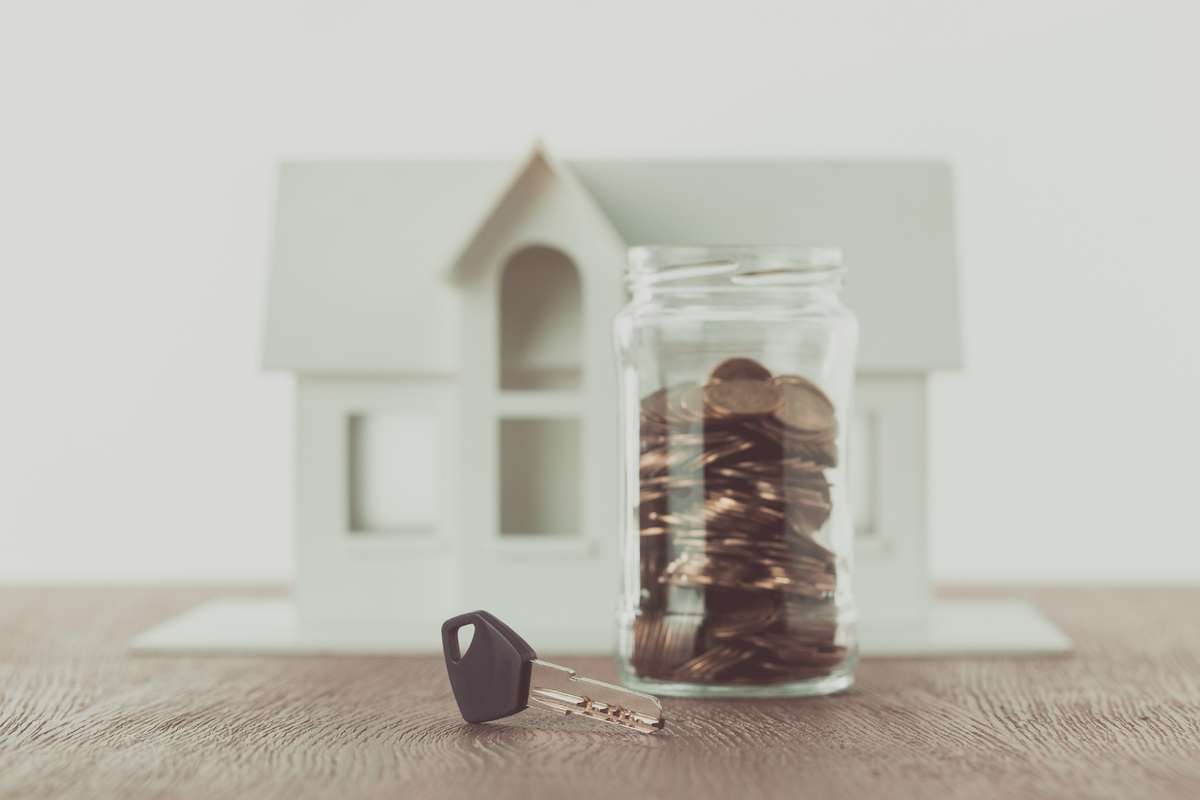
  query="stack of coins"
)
[{"x": 735, "y": 586}]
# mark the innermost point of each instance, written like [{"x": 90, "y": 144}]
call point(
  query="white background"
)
[{"x": 138, "y": 142}]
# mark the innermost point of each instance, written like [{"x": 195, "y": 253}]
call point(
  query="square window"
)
[
  {"x": 394, "y": 463},
  {"x": 539, "y": 477}
]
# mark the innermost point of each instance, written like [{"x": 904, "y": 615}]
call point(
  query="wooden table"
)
[{"x": 80, "y": 716}]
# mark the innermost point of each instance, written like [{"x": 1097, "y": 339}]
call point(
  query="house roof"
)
[{"x": 364, "y": 250}]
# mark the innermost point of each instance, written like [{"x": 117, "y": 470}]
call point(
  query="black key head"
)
[{"x": 490, "y": 680}]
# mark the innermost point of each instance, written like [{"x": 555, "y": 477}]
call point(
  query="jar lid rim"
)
[{"x": 740, "y": 264}]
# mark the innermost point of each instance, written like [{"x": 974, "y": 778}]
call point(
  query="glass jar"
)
[{"x": 736, "y": 374}]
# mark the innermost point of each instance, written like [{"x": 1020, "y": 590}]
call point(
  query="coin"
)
[
  {"x": 803, "y": 406},
  {"x": 723, "y": 451},
  {"x": 689, "y": 403},
  {"x": 654, "y": 405},
  {"x": 786, "y": 648},
  {"x": 656, "y": 462},
  {"x": 653, "y": 559},
  {"x": 711, "y": 663},
  {"x": 740, "y": 398},
  {"x": 661, "y": 643},
  {"x": 747, "y": 620},
  {"x": 740, "y": 369},
  {"x": 732, "y": 503}
]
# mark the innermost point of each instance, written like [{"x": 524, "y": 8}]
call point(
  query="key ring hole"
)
[{"x": 463, "y": 636}]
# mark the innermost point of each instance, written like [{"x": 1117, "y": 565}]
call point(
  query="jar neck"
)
[
  {"x": 734, "y": 295},
  {"x": 733, "y": 275}
]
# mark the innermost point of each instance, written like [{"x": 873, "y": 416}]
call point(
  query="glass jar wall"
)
[{"x": 736, "y": 370}]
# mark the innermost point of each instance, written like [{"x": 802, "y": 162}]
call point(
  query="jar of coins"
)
[{"x": 737, "y": 367}]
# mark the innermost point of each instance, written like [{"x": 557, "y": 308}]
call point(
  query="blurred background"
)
[{"x": 139, "y": 441}]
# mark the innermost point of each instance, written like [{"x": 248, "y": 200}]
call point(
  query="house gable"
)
[
  {"x": 543, "y": 228},
  {"x": 522, "y": 207}
]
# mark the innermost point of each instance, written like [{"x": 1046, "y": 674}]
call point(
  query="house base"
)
[
  {"x": 966, "y": 628},
  {"x": 271, "y": 626}
]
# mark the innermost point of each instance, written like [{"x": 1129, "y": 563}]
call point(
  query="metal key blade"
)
[{"x": 562, "y": 691}]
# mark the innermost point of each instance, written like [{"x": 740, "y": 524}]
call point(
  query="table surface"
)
[{"x": 80, "y": 716}]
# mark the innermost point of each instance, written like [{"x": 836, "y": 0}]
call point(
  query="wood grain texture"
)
[{"x": 81, "y": 717}]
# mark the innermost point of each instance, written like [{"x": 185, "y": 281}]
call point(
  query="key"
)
[{"x": 500, "y": 674}]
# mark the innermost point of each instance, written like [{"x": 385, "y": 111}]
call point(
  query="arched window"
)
[
  {"x": 541, "y": 342},
  {"x": 540, "y": 321}
]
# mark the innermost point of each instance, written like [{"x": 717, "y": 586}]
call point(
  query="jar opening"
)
[{"x": 730, "y": 266}]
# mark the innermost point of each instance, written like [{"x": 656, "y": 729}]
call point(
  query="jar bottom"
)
[
  {"x": 839, "y": 679},
  {"x": 795, "y": 649}
]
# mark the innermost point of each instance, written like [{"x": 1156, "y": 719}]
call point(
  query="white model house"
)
[{"x": 448, "y": 327}]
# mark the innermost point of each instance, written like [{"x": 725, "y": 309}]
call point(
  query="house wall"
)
[
  {"x": 376, "y": 499},
  {"x": 557, "y": 586},
  {"x": 370, "y": 547},
  {"x": 888, "y": 472}
]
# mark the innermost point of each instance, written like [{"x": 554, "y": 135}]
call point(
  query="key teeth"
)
[
  {"x": 619, "y": 715},
  {"x": 560, "y": 690}
]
